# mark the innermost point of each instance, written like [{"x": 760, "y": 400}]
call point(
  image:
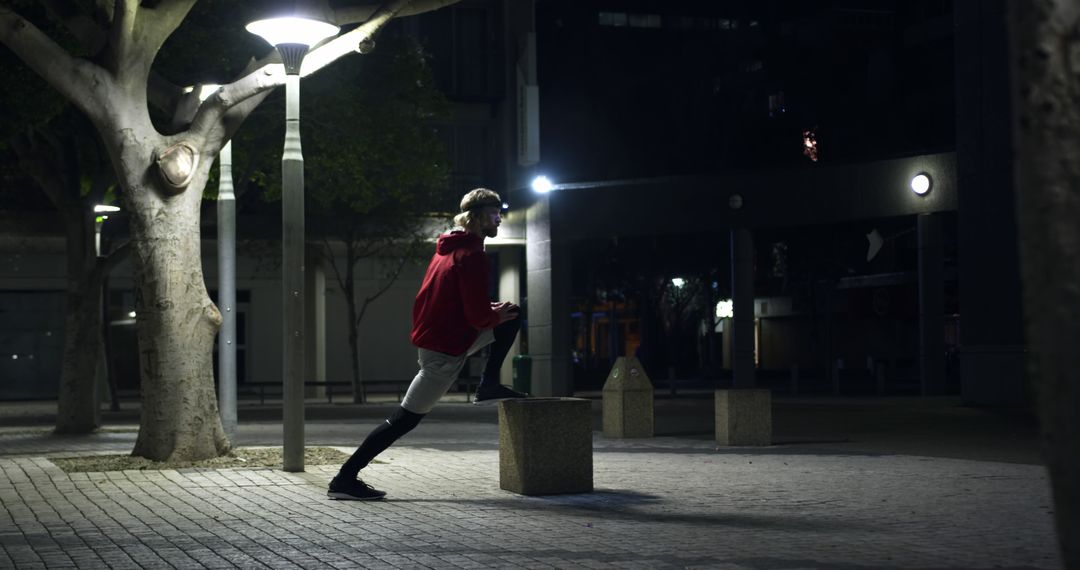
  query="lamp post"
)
[
  {"x": 104, "y": 383},
  {"x": 226, "y": 218},
  {"x": 292, "y": 36},
  {"x": 102, "y": 212}
]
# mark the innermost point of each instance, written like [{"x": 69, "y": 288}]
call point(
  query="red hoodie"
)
[{"x": 452, "y": 306}]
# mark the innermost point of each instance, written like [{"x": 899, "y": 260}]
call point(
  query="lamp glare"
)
[
  {"x": 292, "y": 30},
  {"x": 542, "y": 185},
  {"x": 920, "y": 184},
  {"x": 207, "y": 90}
]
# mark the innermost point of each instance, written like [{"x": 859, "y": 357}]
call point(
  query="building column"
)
[
  {"x": 548, "y": 289},
  {"x": 315, "y": 323},
  {"x": 742, "y": 293},
  {"x": 510, "y": 269},
  {"x": 992, "y": 353},
  {"x": 931, "y": 305}
]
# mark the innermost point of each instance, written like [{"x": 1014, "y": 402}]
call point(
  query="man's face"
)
[{"x": 490, "y": 220}]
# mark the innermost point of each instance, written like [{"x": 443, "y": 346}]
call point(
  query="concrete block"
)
[
  {"x": 628, "y": 400},
  {"x": 545, "y": 446},
  {"x": 744, "y": 417}
]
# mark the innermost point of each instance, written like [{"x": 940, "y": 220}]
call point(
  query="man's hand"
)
[{"x": 506, "y": 310}]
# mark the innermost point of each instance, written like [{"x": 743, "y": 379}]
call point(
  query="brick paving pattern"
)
[{"x": 668, "y": 502}]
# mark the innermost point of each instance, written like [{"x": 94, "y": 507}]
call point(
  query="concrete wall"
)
[{"x": 386, "y": 352}]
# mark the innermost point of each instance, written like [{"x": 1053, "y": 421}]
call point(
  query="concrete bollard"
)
[
  {"x": 545, "y": 446},
  {"x": 743, "y": 417},
  {"x": 628, "y": 400}
]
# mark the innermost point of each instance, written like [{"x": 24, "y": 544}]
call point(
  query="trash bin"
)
[{"x": 523, "y": 373}]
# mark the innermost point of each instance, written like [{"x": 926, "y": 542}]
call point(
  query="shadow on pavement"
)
[{"x": 606, "y": 505}]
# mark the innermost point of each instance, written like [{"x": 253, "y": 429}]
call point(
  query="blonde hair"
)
[{"x": 471, "y": 205}]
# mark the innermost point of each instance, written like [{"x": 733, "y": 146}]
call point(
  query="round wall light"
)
[
  {"x": 921, "y": 183},
  {"x": 542, "y": 185}
]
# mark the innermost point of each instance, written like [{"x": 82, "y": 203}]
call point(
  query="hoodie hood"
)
[{"x": 458, "y": 239}]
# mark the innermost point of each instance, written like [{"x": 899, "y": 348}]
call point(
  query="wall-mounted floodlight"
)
[
  {"x": 725, "y": 309},
  {"x": 542, "y": 185},
  {"x": 102, "y": 208},
  {"x": 921, "y": 183}
]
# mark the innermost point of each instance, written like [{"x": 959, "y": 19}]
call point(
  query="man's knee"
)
[{"x": 403, "y": 421}]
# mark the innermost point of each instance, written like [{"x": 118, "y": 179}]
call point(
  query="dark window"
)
[
  {"x": 463, "y": 48},
  {"x": 467, "y": 147}
]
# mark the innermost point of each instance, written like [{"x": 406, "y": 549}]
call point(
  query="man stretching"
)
[{"x": 452, "y": 319}]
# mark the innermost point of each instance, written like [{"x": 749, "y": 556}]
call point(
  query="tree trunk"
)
[
  {"x": 78, "y": 406},
  {"x": 1046, "y": 94},
  {"x": 354, "y": 338},
  {"x": 52, "y": 162},
  {"x": 176, "y": 321}
]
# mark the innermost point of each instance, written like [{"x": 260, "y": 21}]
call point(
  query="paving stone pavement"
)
[{"x": 667, "y": 502}]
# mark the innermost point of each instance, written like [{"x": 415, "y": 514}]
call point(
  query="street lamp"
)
[
  {"x": 226, "y": 216},
  {"x": 292, "y": 36},
  {"x": 102, "y": 212}
]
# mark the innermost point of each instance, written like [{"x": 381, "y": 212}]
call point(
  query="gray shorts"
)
[{"x": 438, "y": 371}]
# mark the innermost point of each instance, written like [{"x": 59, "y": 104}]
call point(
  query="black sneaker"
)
[
  {"x": 495, "y": 393},
  {"x": 355, "y": 490}
]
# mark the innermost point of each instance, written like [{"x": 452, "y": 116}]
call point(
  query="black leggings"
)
[{"x": 401, "y": 422}]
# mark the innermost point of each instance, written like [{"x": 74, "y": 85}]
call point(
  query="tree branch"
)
[
  {"x": 186, "y": 107},
  {"x": 237, "y": 114},
  {"x": 79, "y": 81},
  {"x": 333, "y": 264},
  {"x": 391, "y": 278},
  {"x": 161, "y": 21},
  {"x": 214, "y": 115},
  {"x": 122, "y": 35},
  {"x": 329, "y": 52},
  {"x": 269, "y": 75}
]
